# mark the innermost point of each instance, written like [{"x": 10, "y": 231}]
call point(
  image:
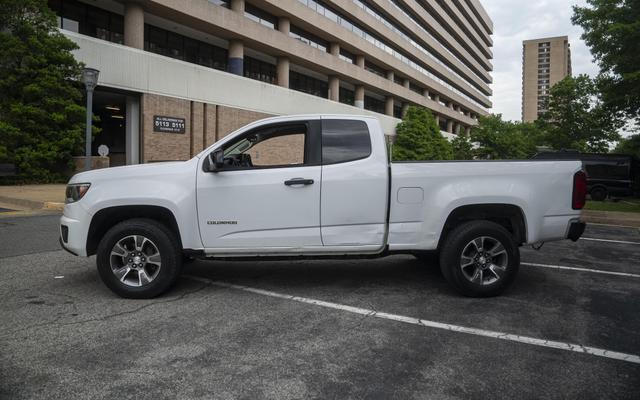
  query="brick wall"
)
[{"x": 205, "y": 124}]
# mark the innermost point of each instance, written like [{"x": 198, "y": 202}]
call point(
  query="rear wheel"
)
[
  {"x": 139, "y": 258},
  {"x": 479, "y": 259},
  {"x": 599, "y": 194}
]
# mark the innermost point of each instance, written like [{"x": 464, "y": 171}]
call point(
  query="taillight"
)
[{"x": 579, "y": 190}]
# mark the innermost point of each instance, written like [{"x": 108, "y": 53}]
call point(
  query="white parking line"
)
[
  {"x": 609, "y": 240},
  {"x": 632, "y": 358},
  {"x": 595, "y": 271}
]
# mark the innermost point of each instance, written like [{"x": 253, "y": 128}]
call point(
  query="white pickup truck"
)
[{"x": 317, "y": 186}]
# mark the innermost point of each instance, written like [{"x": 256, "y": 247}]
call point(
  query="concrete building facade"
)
[
  {"x": 178, "y": 75},
  {"x": 545, "y": 62}
]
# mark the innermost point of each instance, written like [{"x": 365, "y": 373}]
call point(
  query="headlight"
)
[{"x": 76, "y": 191}]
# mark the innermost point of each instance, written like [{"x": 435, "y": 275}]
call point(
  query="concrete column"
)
[
  {"x": 406, "y": 83},
  {"x": 467, "y": 131},
  {"x": 391, "y": 75},
  {"x": 284, "y": 25},
  {"x": 456, "y": 130},
  {"x": 282, "y": 71},
  {"x": 334, "y": 49},
  {"x": 436, "y": 97},
  {"x": 388, "y": 105},
  {"x": 425, "y": 93},
  {"x": 450, "y": 125},
  {"x": 405, "y": 107},
  {"x": 235, "y": 63},
  {"x": 334, "y": 88},
  {"x": 237, "y": 6},
  {"x": 437, "y": 118},
  {"x": 132, "y": 131},
  {"x": 134, "y": 25},
  {"x": 359, "y": 96},
  {"x": 360, "y": 60}
]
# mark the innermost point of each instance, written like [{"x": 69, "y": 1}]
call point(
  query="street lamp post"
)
[{"x": 90, "y": 79}]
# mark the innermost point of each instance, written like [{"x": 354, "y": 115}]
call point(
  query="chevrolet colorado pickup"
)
[{"x": 317, "y": 186}]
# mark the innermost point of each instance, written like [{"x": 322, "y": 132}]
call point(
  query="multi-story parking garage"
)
[{"x": 204, "y": 68}]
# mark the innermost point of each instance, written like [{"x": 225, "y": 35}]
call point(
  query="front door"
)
[{"x": 267, "y": 195}]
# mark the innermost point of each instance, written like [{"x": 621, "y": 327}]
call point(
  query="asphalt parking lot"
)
[{"x": 387, "y": 328}]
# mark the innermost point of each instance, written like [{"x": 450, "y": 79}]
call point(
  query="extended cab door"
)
[
  {"x": 355, "y": 184},
  {"x": 267, "y": 195}
]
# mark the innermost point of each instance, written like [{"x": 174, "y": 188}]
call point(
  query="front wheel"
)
[
  {"x": 479, "y": 259},
  {"x": 139, "y": 259}
]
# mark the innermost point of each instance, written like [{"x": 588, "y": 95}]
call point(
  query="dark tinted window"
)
[{"x": 344, "y": 140}]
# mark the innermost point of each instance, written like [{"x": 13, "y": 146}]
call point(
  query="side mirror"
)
[{"x": 216, "y": 160}]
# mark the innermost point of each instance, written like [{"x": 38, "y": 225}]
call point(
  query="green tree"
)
[
  {"x": 498, "y": 139},
  {"x": 577, "y": 117},
  {"x": 612, "y": 32},
  {"x": 41, "y": 122},
  {"x": 629, "y": 145},
  {"x": 462, "y": 148},
  {"x": 418, "y": 137}
]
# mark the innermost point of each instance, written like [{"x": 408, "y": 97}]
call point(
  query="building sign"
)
[{"x": 168, "y": 124}]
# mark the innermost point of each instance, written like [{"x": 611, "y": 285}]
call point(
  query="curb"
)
[
  {"x": 631, "y": 220},
  {"x": 52, "y": 205},
  {"x": 34, "y": 205}
]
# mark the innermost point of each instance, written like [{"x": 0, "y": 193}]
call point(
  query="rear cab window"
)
[{"x": 344, "y": 140}]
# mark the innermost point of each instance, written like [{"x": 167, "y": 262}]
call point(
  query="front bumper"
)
[
  {"x": 576, "y": 229},
  {"x": 73, "y": 230}
]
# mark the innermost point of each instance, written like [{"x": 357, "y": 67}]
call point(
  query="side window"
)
[
  {"x": 269, "y": 147},
  {"x": 344, "y": 140},
  {"x": 278, "y": 150}
]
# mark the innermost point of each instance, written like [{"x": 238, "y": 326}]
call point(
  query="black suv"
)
[{"x": 607, "y": 174}]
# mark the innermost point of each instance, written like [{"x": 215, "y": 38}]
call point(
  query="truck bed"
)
[{"x": 423, "y": 194}]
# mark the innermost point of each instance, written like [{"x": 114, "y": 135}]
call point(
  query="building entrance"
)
[{"x": 110, "y": 107}]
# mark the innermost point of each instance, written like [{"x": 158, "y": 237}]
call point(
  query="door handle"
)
[{"x": 298, "y": 181}]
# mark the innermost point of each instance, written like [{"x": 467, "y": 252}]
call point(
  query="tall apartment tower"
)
[{"x": 545, "y": 62}]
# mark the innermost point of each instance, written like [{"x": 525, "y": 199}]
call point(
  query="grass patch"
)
[{"x": 622, "y": 205}]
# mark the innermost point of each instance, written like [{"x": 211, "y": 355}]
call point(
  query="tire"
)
[
  {"x": 498, "y": 265},
  {"x": 599, "y": 194},
  {"x": 137, "y": 245}
]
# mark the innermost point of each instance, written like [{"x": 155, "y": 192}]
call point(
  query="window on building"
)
[
  {"x": 398, "y": 80},
  {"x": 373, "y": 104},
  {"x": 397, "y": 110},
  {"x": 308, "y": 38},
  {"x": 344, "y": 140},
  {"x": 371, "y": 67},
  {"x": 170, "y": 44},
  {"x": 347, "y": 56},
  {"x": 259, "y": 70},
  {"x": 347, "y": 96},
  {"x": 78, "y": 17},
  {"x": 262, "y": 17},
  {"x": 308, "y": 84},
  {"x": 416, "y": 88},
  {"x": 223, "y": 3}
]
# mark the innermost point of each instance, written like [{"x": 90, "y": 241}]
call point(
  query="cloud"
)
[{"x": 515, "y": 21}]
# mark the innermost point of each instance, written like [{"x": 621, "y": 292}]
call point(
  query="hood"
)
[{"x": 134, "y": 171}]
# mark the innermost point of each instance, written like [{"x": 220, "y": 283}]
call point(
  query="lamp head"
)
[{"x": 90, "y": 77}]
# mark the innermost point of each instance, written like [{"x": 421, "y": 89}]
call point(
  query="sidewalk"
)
[{"x": 33, "y": 197}]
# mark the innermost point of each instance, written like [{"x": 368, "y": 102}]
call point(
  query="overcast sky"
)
[{"x": 518, "y": 20}]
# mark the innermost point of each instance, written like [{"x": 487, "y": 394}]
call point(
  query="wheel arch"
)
[
  {"x": 509, "y": 216},
  {"x": 106, "y": 218}
]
